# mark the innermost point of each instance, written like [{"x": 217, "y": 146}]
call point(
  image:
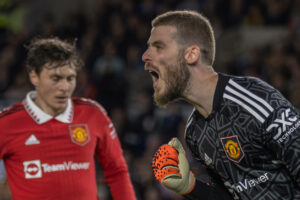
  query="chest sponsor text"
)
[{"x": 250, "y": 183}]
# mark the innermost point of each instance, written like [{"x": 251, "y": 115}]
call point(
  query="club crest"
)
[
  {"x": 233, "y": 148},
  {"x": 79, "y": 134}
]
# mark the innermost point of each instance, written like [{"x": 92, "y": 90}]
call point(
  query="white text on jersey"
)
[
  {"x": 66, "y": 166},
  {"x": 246, "y": 184}
]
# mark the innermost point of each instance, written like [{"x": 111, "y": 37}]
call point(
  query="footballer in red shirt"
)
[{"x": 49, "y": 140}]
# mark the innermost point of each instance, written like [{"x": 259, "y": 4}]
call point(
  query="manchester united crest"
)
[
  {"x": 232, "y": 147},
  {"x": 79, "y": 134}
]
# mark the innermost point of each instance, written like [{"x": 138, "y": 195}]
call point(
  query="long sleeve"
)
[
  {"x": 111, "y": 159},
  {"x": 208, "y": 191},
  {"x": 283, "y": 130}
]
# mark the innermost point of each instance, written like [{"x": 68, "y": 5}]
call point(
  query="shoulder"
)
[
  {"x": 251, "y": 84},
  {"x": 11, "y": 110},
  {"x": 255, "y": 89},
  {"x": 252, "y": 94},
  {"x": 81, "y": 101}
]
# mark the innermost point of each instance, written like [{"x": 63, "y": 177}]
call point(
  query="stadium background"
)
[{"x": 254, "y": 37}]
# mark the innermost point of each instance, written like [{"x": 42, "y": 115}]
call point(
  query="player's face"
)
[
  {"x": 164, "y": 61},
  {"x": 54, "y": 87}
]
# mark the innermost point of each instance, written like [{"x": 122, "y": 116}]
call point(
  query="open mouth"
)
[{"x": 154, "y": 75}]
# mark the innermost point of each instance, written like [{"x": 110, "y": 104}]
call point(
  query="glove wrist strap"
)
[{"x": 192, "y": 184}]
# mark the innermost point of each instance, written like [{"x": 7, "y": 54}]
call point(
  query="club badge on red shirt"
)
[
  {"x": 79, "y": 134},
  {"x": 233, "y": 149}
]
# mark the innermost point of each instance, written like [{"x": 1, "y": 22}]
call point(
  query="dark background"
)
[{"x": 254, "y": 38}]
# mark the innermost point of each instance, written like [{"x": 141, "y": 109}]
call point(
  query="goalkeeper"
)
[{"x": 242, "y": 129}]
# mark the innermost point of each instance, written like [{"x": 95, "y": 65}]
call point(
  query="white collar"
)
[{"x": 40, "y": 116}]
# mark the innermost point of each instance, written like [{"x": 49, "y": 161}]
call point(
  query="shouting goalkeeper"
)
[{"x": 242, "y": 129}]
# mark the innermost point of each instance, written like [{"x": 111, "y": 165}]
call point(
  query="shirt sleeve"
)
[
  {"x": 4, "y": 138},
  {"x": 283, "y": 131},
  {"x": 211, "y": 190},
  {"x": 111, "y": 159}
]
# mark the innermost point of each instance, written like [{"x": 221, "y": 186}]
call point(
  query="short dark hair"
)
[
  {"x": 42, "y": 51},
  {"x": 192, "y": 28}
]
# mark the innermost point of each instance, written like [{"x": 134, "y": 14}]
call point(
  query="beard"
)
[{"x": 176, "y": 82}]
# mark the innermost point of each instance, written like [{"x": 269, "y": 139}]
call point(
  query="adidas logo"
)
[{"x": 32, "y": 140}]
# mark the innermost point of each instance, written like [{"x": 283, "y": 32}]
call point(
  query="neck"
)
[
  {"x": 44, "y": 107},
  {"x": 200, "y": 92}
]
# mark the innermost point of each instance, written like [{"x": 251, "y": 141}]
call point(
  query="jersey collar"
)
[
  {"x": 40, "y": 116},
  {"x": 217, "y": 100},
  {"x": 218, "y": 96}
]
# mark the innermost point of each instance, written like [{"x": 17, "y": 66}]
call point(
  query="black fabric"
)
[
  {"x": 250, "y": 141},
  {"x": 208, "y": 191}
]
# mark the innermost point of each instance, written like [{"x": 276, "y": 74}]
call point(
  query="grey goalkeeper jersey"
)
[{"x": 250, "y": 141}]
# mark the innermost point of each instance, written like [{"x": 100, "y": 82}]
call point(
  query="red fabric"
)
[{"x": 60, "y": 167}]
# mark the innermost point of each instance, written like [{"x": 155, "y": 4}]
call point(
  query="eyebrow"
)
[
  {"x": 52, "y": 75},
  {"x": 59, "y": 76},
  {"x": 156, "y": 43}
]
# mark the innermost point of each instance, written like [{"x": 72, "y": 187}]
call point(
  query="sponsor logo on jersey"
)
[
  {"x": 32, "y": 140},
  {"x": 250, "y": 183},
  {"x": 35, "y": 169},
  {"x": 285, "y": 125},
  {"x": 79, "y": 134},
  {"x": 65, "y": 166},
  {"x": 32, "y": 169},
  {"x": 233, "y": 148}
]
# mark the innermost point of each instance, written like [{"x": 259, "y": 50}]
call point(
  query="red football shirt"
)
[{"x": 53, "y": 158}]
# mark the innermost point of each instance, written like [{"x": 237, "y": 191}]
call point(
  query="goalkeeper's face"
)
[{"x": 165, "y": 62}]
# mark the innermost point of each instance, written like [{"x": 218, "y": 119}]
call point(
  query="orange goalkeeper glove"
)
[{"x": 171, "y": 168}]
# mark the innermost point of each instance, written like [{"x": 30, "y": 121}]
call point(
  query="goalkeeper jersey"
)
[
  {"x": 53, "y": 158},
  {"x": 250, "y": 141}
]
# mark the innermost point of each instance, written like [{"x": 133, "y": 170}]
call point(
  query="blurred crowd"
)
[{"x": 111, "y": 36}]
